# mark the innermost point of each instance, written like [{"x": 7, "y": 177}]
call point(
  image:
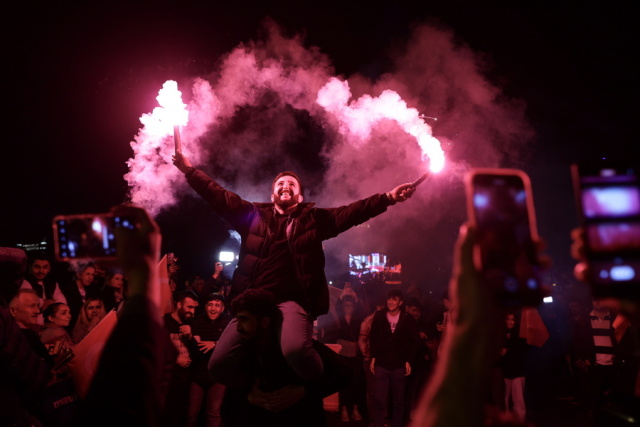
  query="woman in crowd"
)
[
  {"x": 79, "y": 290},
  {"x": 91, "y": 314},
  {"x": 56, "y": 317},
  {"x": 513, "y": 367},
  {"x": 112, "y": 293}
]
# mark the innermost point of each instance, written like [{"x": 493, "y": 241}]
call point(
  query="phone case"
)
[
  {"x": 62, "y": 236},
  {"x": 498, "y": 172}
]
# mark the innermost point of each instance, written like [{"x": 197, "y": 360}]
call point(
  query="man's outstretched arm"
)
[
  {"x": 337, "y": 220},
  {"x": 226, "y": 203},
  {"x": 132, "y": 377}
]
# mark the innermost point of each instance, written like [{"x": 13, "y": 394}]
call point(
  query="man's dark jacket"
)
[
  {"x": 207, "y": 330},
  {"x": 393, "y": 349},
  {"x": 306, "y": 229}
]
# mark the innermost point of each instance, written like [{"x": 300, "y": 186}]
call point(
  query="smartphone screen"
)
[
  {"x": 611, "y": 214},
  {"x": 86, "y": 236},
  {"x": 501, "y": 208},
  {"x": 608, "y": 196}
]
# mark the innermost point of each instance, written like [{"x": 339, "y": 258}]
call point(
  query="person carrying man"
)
[
  {"x": 281, "y": 252},
  {"x": 276, "y": 396}
]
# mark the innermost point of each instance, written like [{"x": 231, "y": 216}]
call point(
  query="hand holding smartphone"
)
[{"x": 500, "y": 207}]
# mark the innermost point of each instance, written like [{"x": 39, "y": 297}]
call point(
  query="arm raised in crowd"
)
[
  {"x": 131, "y": 382},
  {"x": 454, "y": 395}
]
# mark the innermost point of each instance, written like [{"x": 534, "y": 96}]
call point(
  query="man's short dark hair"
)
[
  {"x": 258, "y": 302},
  {"x": 182, "y": 295},
  {"x": 288, "y": 173},
  {"x": 39, "y": 256},
  {"x": 215, "y": 297},
  {"x": 395, "y": 293}
]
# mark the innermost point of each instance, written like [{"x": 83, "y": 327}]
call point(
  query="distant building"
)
[
  {"x": 375, "y": 264},
  {"x": 42, "y": 246}
]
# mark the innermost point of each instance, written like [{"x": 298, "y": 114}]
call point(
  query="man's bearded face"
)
[
  {"x": 40, "y": 269},
  {"x": 187, "y": 309},
  {"x": 286, "y": 192}
]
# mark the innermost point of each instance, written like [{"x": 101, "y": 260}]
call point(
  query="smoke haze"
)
[{"x": 276, "y": 104}]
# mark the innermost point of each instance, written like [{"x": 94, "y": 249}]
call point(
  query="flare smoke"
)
[{"x": 276, "y": 104}]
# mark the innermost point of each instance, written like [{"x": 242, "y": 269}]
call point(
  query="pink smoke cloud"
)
[{"x": 276, "y": 104}]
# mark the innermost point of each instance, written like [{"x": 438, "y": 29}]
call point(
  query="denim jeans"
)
[
  {"x": 395, "y": 380},
  {"x": 295, "y": 335},
  {"x": 212, "y": 397},
  {"x": 514, "y": 393}
]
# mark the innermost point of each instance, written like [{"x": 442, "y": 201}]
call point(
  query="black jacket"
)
[
  {"x": 393, "y": 350},
  {"x": 49, "y": 285},
  {"x": 207, "y": 330},
  {"x": 307, "y": 228}
]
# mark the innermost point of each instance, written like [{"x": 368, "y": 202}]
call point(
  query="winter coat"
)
[{"x": 306, "y": 228}]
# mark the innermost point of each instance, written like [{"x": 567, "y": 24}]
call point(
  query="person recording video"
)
[{"x": 473, "y": 340}]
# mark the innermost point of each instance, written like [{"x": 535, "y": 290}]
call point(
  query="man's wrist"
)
[
  {"x": 389, "y": 198},
  {"x": 189, "y": 171}
]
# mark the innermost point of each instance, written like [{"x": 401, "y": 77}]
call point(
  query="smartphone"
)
[
  {"x": 608, "y": 200},
  {"x": 86, "y": 236},
  {"x": 500, "y": 207}
]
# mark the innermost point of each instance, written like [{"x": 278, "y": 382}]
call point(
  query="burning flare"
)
[
  {"x": 359, "y": 117},
  {"x": 150, "y": 171},
  {"x": 170, "y": 98},
  {"x": 171, "y": 112}
]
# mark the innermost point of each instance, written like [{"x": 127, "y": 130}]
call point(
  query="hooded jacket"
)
[{"x": 307, "y": 227}]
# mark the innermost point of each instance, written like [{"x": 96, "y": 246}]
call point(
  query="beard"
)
[
  {"x": 291, "y": 201},
  {"x": 185, "y": 316}
]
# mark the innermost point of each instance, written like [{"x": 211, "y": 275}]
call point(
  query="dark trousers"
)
[
  {"x": 295, "y": 335},
  {"x": 354, "y": 392},
  {"x": 597, "y": 384},
  {"x": 395, "y": 381},
  {"x": 370, "y": 381},
  {"x": 212, "y": 397},
  {"x": 177, "y": 398}
]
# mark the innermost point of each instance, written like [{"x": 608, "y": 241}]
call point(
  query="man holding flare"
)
[{"x": 281, "y": 252}]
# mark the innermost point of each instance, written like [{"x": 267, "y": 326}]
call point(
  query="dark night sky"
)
[{"x": 81, "y": 76}]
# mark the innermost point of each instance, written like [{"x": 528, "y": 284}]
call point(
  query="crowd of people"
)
[
  {"x": 266, "y": 347},
  {"x": 388, "y": 342}
]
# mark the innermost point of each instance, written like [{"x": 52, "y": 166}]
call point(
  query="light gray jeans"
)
[{"x": 295, "y": 335}]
